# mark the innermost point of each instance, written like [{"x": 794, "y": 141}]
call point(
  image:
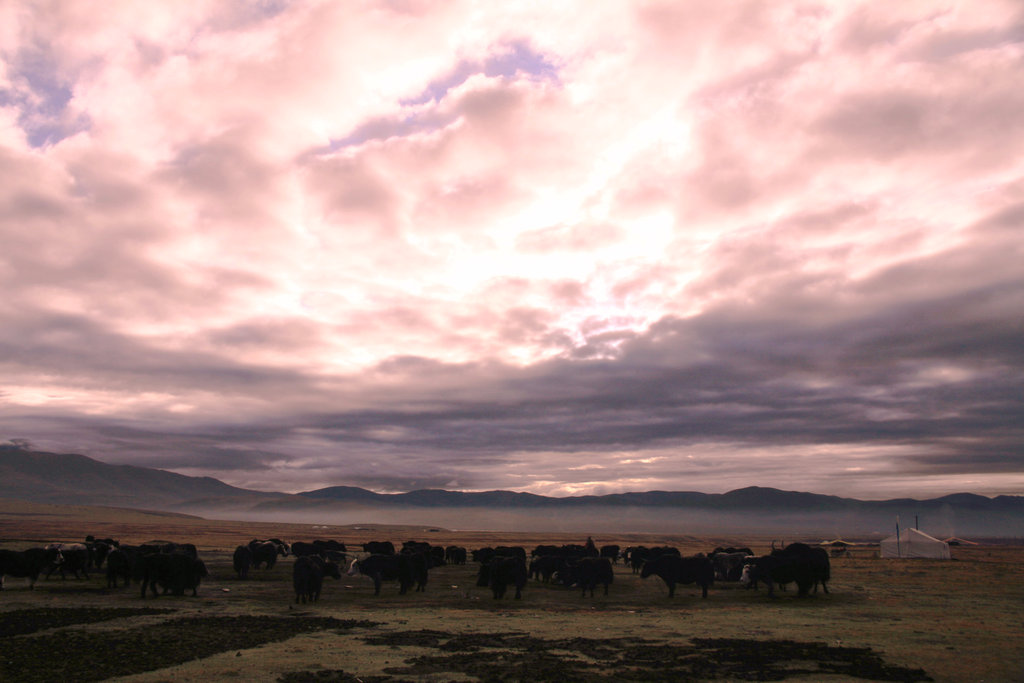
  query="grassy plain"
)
[{"x": 957, "y": 620}]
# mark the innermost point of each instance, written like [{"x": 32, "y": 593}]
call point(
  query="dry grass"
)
[{"x": 950, "y": 621}]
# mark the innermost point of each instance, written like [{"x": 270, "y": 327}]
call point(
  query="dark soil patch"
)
[
  {"x": 22, "y": 621},
  {"x": 519, "y": 656},
  {"x": 81, "y": 655},
  {"x": 333, "y": 676}
]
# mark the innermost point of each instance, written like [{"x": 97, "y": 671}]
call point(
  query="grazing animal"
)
[
  {"x": 634, "y": 557},
  {"x": 158, "y": 547},
  {"x": 302, "y": 549},
  {"x": 729, "y": 565},
  {"x": 99, "y": 548},
  {"x": 433, "y": 555},
  {"x": 265, "y": 553},
  {"x": 241, "y": 561},
  {"x": 455, "y": 554},
  {"x": 187, "y": 549},
  {"x": 796, "y": 563},
  {"x": 120, "y": 562},
  {"x": 549, "y": 559},
  {"x": 328, "y": 546},
  {"x": 379, "y": 547},
  {"x": 815, "y": 557},
  {"x": 611, "y": 552},
  {"x": 416, "y": 547},
  {"x": 639, "y": 555},
  {"x": 419, "y": 565},
  {"x": 197, "y": 573},
  {"x": 308, "y": 573},
  {"x": 572, "y": 551},
  {"x": 385, "y": 568},
  {"x": 674, "y": 570},
  {"x": 174, "y": 572},
  {"x": 588, "y": 572},
  {"x": 503, "y": 571},
  {"x": 337, "y": 557},
  {"x": 282, "y": 548},
  {"x": 26, "y": 564},
  {"x": 544, "y": 567},
  {"x": 761, "y": 569},
  {"x": 483, "y": 555},
  {"x": 511, "y": 551},
  {"x": 75, "y": 558}
]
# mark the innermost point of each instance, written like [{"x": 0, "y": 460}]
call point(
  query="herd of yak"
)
[{"x": 166, "y": 567}]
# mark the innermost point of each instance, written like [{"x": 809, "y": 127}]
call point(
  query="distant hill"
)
[
  {"x": 748, "y": 498},
  {"x": 70, "y": 479}
]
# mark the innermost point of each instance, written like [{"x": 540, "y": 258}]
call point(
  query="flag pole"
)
[{"x": 899, "y": 553}]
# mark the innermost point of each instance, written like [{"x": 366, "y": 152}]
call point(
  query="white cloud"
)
[{"x": 213, "y": 211}]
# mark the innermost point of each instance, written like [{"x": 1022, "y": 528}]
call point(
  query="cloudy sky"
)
[{"x": 564, "y": 248}]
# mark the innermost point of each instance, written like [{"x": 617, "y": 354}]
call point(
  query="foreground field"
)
[{"x": 883, "y": 620}]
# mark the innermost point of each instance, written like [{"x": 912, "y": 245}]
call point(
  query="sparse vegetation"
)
[{"x": 884, "y": 620}]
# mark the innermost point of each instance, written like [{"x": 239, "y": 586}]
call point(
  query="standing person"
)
[{"x": 590, "y": 548}]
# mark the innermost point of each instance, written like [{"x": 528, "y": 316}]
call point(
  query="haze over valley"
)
[{"x": 68, "y": 479}]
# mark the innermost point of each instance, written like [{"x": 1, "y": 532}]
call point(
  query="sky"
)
[{"x": 565, "y": 248}]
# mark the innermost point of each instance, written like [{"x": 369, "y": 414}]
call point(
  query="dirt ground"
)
[{"x": 883, "y": 620}]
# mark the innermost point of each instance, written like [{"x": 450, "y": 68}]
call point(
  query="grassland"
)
[{"x": 883, "y": 619}]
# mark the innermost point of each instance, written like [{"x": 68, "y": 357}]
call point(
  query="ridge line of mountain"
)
[
  {"x": 746, "y": 497},
  {"x": 72, "y": 478}
]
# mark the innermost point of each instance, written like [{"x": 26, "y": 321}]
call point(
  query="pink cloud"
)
[{"x": 361, "y": 207}]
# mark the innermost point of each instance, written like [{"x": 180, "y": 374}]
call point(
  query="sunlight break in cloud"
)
[{"x": 401, "y": 244}]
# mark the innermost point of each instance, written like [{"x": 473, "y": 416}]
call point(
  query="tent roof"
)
[
  {"x": 960, "y": 541},
  {"x": 914, "y": 543},
  {"x": 913, "y": 533}
]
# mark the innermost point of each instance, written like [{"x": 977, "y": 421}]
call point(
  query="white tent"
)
[{"x": 914, "y": 543}]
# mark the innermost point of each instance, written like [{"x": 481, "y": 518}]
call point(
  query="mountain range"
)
[{"x": 73, "y": 479}]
